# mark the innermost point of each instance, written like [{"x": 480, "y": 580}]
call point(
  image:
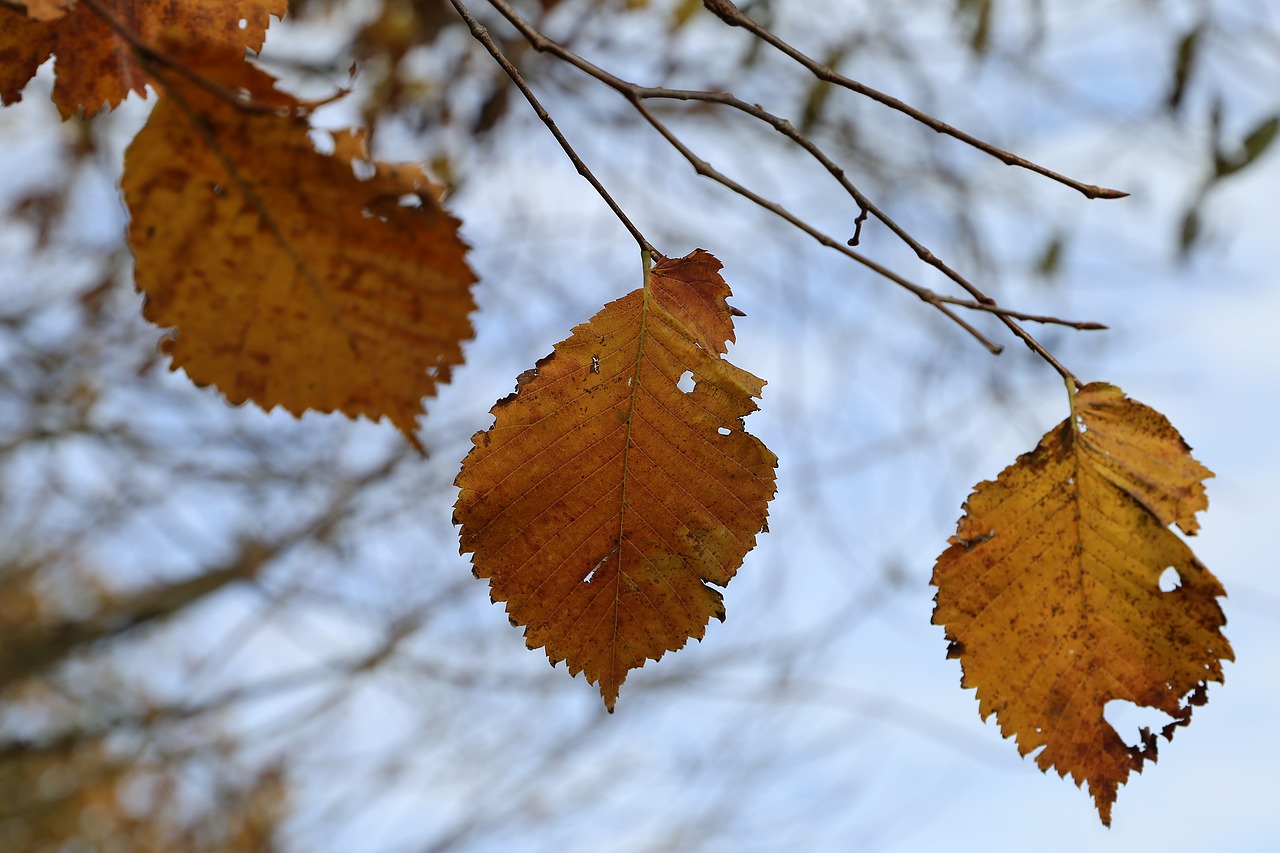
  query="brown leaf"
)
[
  {"x": 289, "y": 280},
  {"x": 604, "y": 499},
  {"x": 96, "y": 67},
  {"x": 25, "y": 44},
  {"x": 1050, "y": 592}
]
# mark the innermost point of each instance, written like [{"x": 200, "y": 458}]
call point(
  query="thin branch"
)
[
  {"x": 481, "y": 35},
  {"x": 637, "y": 94},
  {"x": 865, "y": 205},
  {"x": 705, "y": 169},
  {"x": 728, "y": 12}
]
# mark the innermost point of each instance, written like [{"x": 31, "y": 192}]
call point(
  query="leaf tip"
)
[{"x": 609, "y": 693}]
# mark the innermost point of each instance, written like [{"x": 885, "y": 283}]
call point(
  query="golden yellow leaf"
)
[
  {"x": 604, "y": 499},
  {"x": 1050, "y": 592},
  {"x": 96, "y": 67},
  {"x": 290, "y": 280},
  {"x": 1139, "y": 451}
]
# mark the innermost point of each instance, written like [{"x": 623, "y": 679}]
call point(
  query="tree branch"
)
[
  {"x": 481, "y": 35},
  {"x": 637, "y": 94},
  {"x": 731, "y": 15}
]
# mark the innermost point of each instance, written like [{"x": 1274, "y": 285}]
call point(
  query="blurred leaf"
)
[
  {"x": 683, "y": 13},
  {"x": 1184, "y": 60},
  {"x": 1255, "y": 144},
  {"x": 978, "y": 14},
  {"x": 1260, "y": 138},
  {"x": 1051, "y": 257},
  {"x": 96, "y": 68},
  {"x": 494, "y": 107},
  {"x": 403, "y": 25},
  {"x": 815, "y": 102},
  {"x": 1189, "y": 232}
]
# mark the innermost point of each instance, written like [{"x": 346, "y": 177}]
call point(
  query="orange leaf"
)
[
  {"x": 1050, "y": 592},
  {"x": 95, "y": 66},
  {"x": 290, "y": 281},
  {"x": 604, "y": 499},
  {"x": 25, "y": 43}
]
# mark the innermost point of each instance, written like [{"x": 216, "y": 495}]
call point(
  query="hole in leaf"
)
[
  {"x": 725, "y": 431},
  {"x": 410, "y": 200},
  {"x": 686, "y": 382},
  {"x": 1170, "y": 580},
  {"x": 218, "y": 189},
  {"x": 321, "y": 141},
  {"x": 1129, "y": 719},
  {"x": 363, "y": 169},
  {"x": 595, "y": 364},
  {"x": 597, "y": 566},
  {"x": 244, "y": 23}
]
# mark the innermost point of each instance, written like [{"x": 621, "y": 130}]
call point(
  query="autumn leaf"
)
[
  {"x": 1050, "y": 592},
  {"x": 604, "y": 499},
  {"x": 288, "y": 279},
  {"x": 25, "y": 43},
  {"x": 95, "y": 65}
]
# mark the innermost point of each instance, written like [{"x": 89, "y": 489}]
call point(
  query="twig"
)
[
  {"x": 482, "y": 35},
  {"x": 705, "y": 169},
  {"x": 863, "y": 212},
  {"x": 637, "y": 94},
  {"x": 865, "y": 205},
  {"x": 731, "y": 15}
]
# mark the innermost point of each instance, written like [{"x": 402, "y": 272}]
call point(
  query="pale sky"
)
[{"x": 1197, "y": 344}]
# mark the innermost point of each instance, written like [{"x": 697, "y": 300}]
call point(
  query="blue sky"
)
[{"x": 871, "y": 745}]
